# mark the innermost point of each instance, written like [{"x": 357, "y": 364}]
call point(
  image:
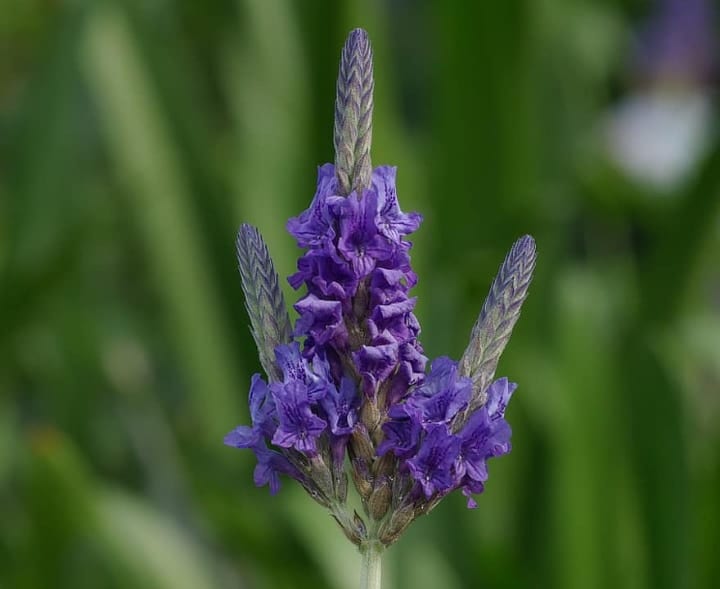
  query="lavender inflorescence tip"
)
[
  {"x": 348, "y": 385},
  {"x": 264, "y": 301},
  {"x": 498, "y": 316},
  {"x": 353, "y": 114}
]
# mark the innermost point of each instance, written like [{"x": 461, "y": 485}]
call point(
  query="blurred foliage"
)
[{"x": 135, "y": 137}]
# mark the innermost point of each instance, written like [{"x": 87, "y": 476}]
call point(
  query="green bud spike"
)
[
  {"x": 500, "y": 312},
  {"x": 353, "y": 114},
  {"x": 264, "y": 301}
]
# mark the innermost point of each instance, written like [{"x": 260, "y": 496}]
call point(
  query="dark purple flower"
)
[
  {"x": 351, "y": 389},
  {"x": 325, "y": 276},
  {"x": 298, "y": 427},
  {"x": 471, "y": 488},
  {"x": 432, "y": 467},
  {"x": 401, "y": 438},
  {"x": 292, "y": 364},
  {"x": 360, "y": 241},
  {"x": 314, "y": 225},
  {"x": 396, "y": 319},
  {"x": 392, "y": 311},
  {"x": 392, "y": 222},
  {"x": 499, "y": 394},
  {"x": 485, "y": 435},
  {"x": 440, "y": 397},
  {"x": 270, "y": 465},
  {"x": 341, "y": 405},
  {"x": 320, "y": 318},
  {"x": 357, "y": 273},
  {"x": 262, "y": 414},
  {"x": 442, "y": 408},
  {"x": 389, "y": 285},
  {"x": 375, "y": 364},
  {"x": 404, "y": 378},
  {"x": 296, "y": 368}
]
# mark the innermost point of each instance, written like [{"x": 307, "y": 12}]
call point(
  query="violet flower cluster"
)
[{"x": 348, "y": 384}]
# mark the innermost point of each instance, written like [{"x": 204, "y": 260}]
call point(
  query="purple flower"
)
[
  {"x": 432, "y": 467},
  {"x": 392, "y": 222},
  {"x": 262, "y": 414},
  {"x": 389, "y": 285},
  {"x": 375, "y": 364},
  {"x": 499, "y": 394},
  {"x": 353, "y": 242},
  {"x": 270, "y": 465},
  {"x": 320, "y": 318},
  {"x": 298, "y": 427},
  {"x": 360, "y": 240},
  {"x": 296, "y": 368},
  {"x": 442, "y": 394},
  {"x": 340, "y": 406},
  {"x": 401, "y": 438},
  {"x": 325, "y": 276},
  {"x": 485, "y": 435},
  {"x": 440, "y": 397},
  {"x": 314, "y": 225},
  {"x": 347, "y": 385}
]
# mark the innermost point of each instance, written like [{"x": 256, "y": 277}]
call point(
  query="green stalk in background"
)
[{"x": 139, "y": 141}]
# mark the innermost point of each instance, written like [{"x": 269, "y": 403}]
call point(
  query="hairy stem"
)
[{"x": 371, "y": 569}]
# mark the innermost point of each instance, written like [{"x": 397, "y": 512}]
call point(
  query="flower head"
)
[{"x": 348, "y": 385}]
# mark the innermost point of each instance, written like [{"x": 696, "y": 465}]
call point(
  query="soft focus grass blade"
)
[
  {"x": 140, "y": 146},
  {"x": 134, "y": 539},
  {"x": 338, "y": 559},
  {"x": 588, "y": 438},
  {"x": 659, "y": 451},
  {"x": 266, "y": 85},
  {"x": 149, "y": 541}
]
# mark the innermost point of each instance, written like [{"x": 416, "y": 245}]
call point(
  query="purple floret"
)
[
  {"x": 299, "y": 427},
  {"x": 401, "y": 438},
  {"x": 393, "y": 222},
  {"x": 262, "y": 414},
  {"x": 484, "y": 436},
  {"x": 432, "y": 467},
  {"x": 270, "y": 465},
  {"x": 442, "y": 395},
  {"x": 360, "y": 240},
  {"x": 314, "y": 225},
  {"x": 341, "y": 405}
]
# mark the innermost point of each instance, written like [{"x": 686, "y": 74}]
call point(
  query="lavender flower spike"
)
[
  {"x": 264, "y": 300},
  {"x": 500, "y": 312},
  {"x": 348, "y": 396},
  {"x": 353, "y": 114}
]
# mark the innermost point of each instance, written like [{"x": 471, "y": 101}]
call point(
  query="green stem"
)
[{"x": 371, "y": 571}]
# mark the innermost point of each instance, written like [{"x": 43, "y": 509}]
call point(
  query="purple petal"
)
[
  {"x": 299, "y": 427},
  {"x": 392, "y": 221},
  {"x": 314, "y": 224},
  {"x": 242, "y": 436},
  {"x": 432, "y": 467},
  {"x": 498, "y": 396},
  {"x": 321, "y": 318}
]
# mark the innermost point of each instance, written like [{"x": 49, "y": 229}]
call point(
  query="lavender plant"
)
[{"x": 347, "y": 391}]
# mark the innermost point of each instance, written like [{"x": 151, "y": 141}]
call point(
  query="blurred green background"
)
[{"x": 135, "y": 136}]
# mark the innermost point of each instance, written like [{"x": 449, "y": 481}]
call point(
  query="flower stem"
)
[{"x": 370, "y": 573}]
